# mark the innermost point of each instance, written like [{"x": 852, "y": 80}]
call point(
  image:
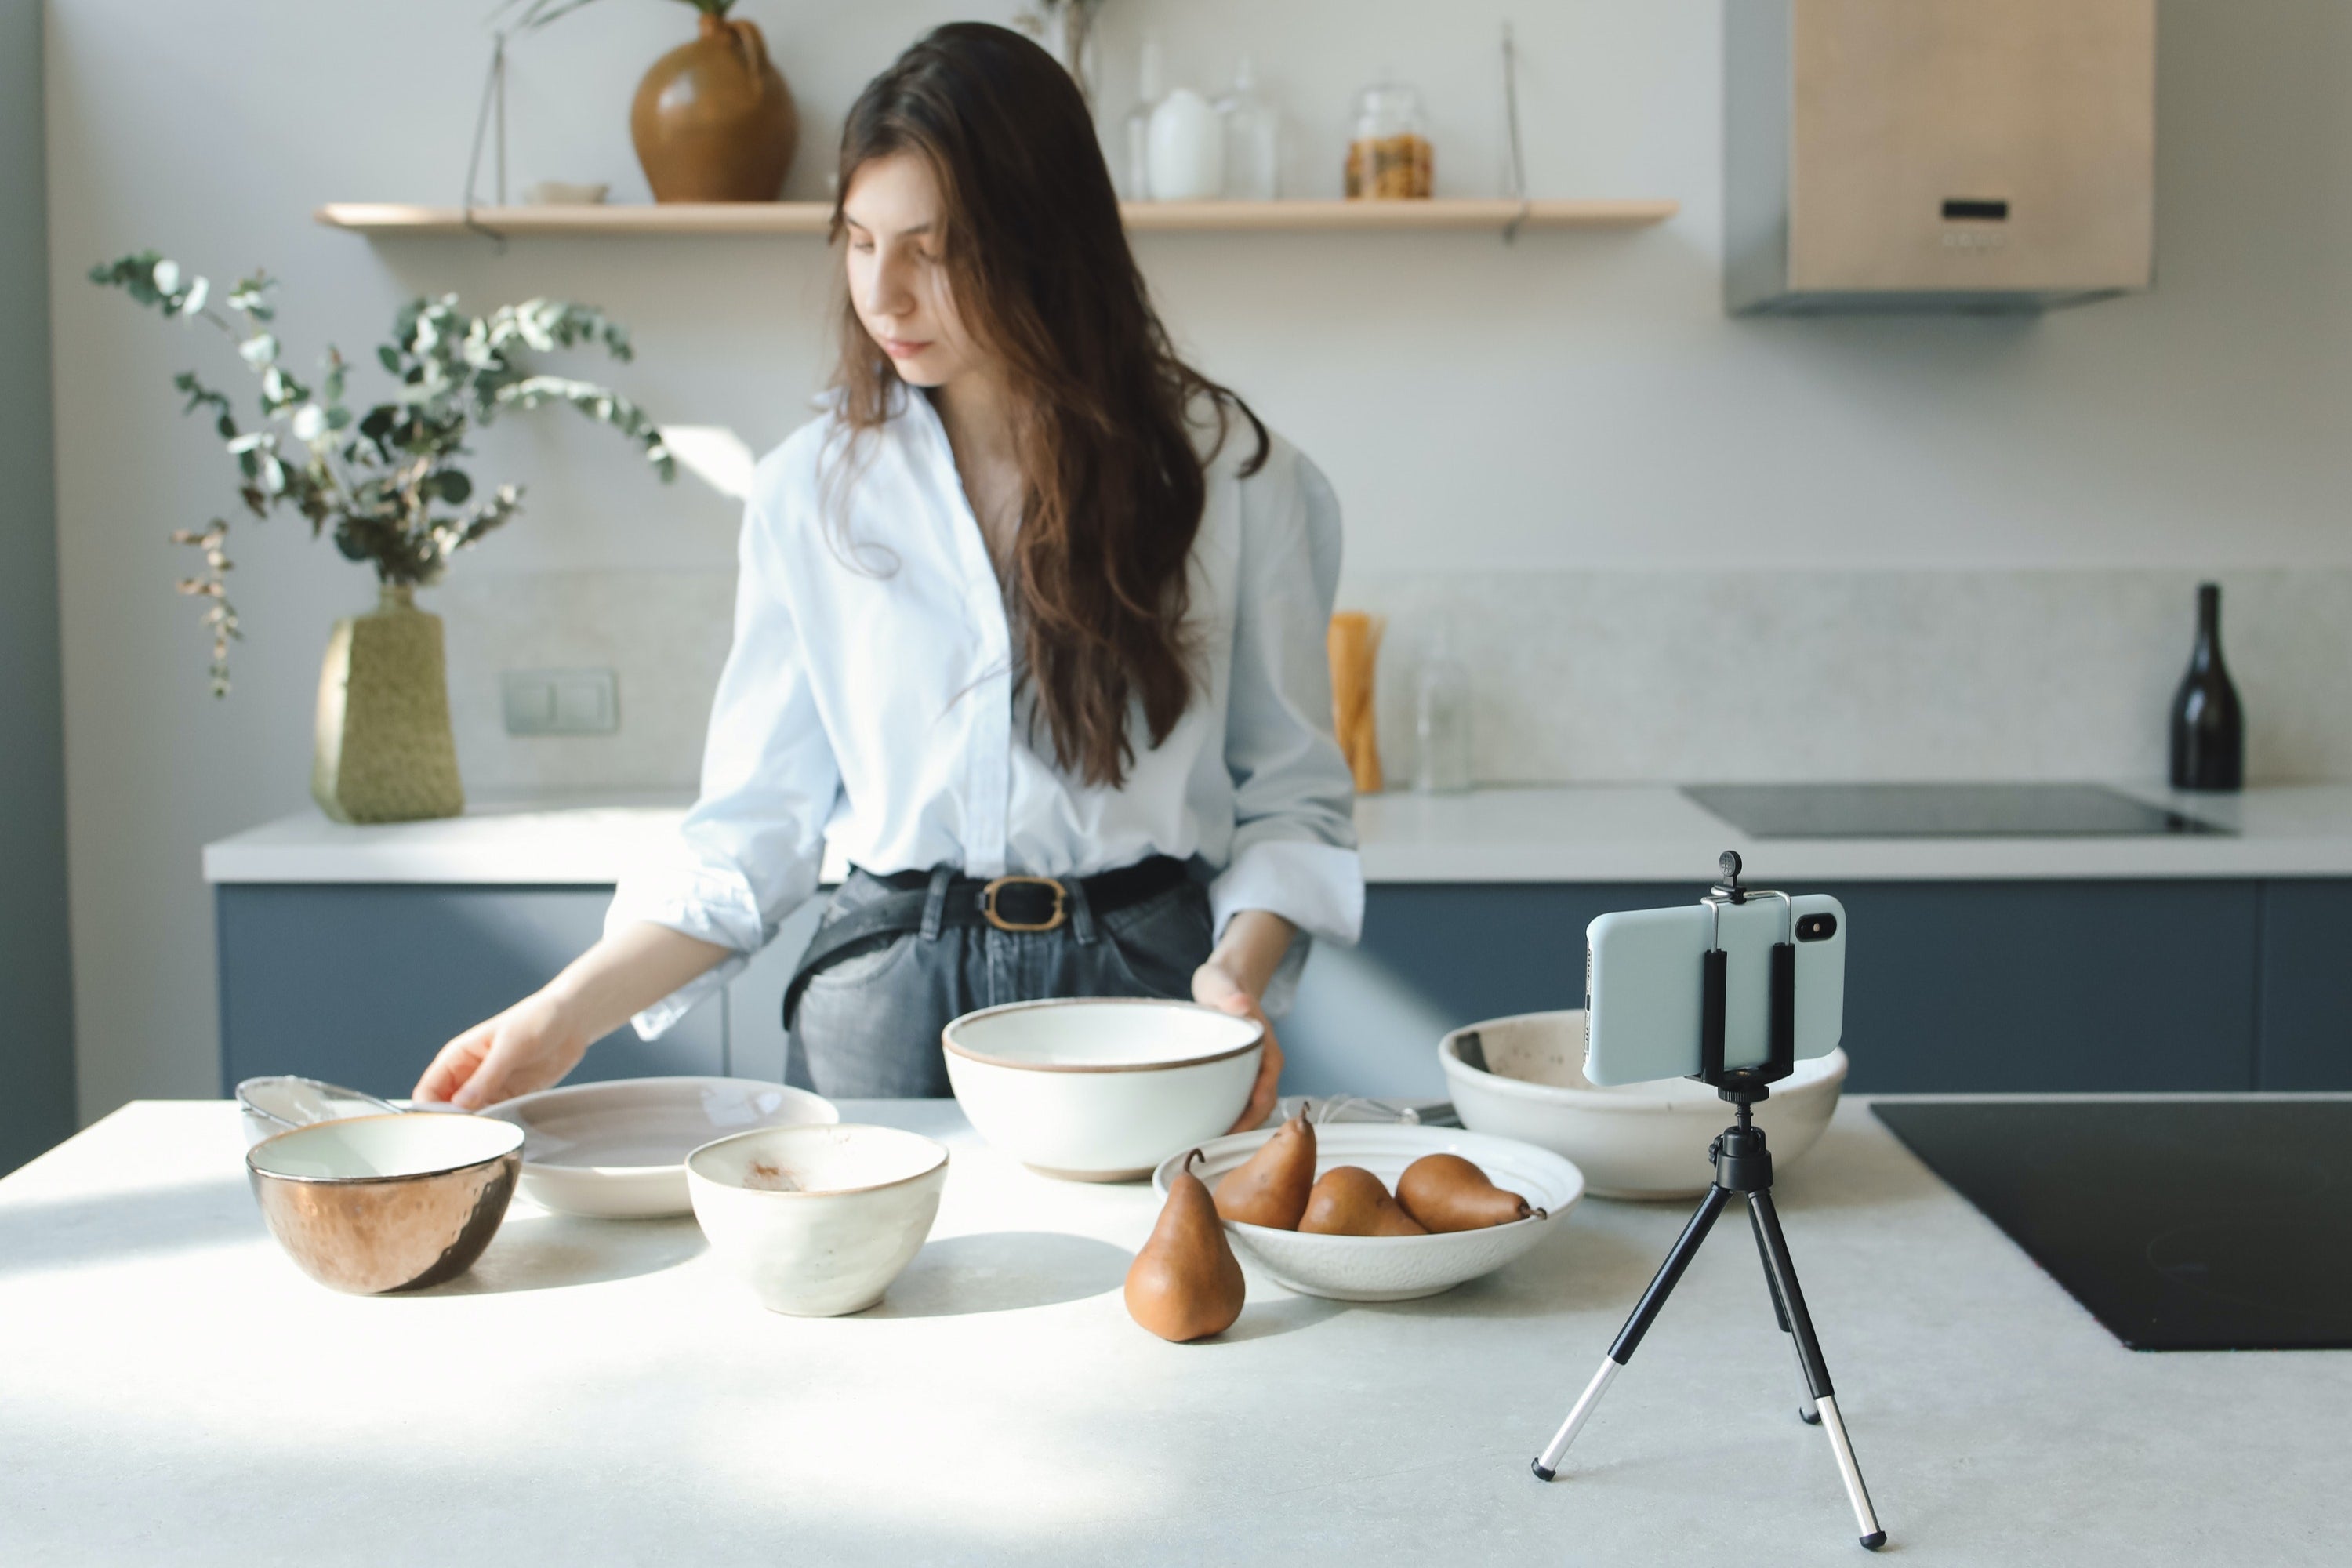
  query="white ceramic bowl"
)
[
  {"x": 817, "y": 1220},
  {"x": 1101, "y": 1090},
  {"x": 617, "y": 1149},
  {"x": 1394, "y": 1267},
  {"x": 1633, "y": 1141}
]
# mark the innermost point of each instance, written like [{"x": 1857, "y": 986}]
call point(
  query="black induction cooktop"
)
[
  {"x": 1938, "y": 811},
  {"x": 2220, "y": 1223}
]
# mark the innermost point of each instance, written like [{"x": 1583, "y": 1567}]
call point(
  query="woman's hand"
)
[
  {"x": 1214, "y": 988},
  {"x": 529, "y": 1045},
  {"x": 1234, "y": 979},
  {"x": 539, "y": 1039}
]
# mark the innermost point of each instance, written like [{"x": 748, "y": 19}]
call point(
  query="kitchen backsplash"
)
[
  {"x": 1587, "y": 676},
  {"x": 663, "y": 634}
]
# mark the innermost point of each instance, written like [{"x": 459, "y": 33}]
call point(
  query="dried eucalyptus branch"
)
[{"x": 383, "y": 483}]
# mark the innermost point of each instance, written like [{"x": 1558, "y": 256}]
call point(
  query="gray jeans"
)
[{"x": 869, "y": 1026}]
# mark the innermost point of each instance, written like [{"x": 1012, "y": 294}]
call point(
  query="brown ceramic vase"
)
[{"x": 713, "y": 120}]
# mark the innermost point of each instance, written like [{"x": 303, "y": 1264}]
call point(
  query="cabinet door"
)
[
  {"x": 1950, "y": 986},
  {"x": 361, "y": 985},
  {"x": 1957, "y": 987},
  {"x": 2306, "y": 997},
  {"x": 1436, "y": 956}
]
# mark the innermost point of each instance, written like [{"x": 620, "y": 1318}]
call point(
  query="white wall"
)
[{"x": 1570, "y": 403}]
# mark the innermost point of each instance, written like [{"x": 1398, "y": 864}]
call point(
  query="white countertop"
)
[
  {"x": 173, "y": 1391},
  {"x": 1633, "y": 833}
]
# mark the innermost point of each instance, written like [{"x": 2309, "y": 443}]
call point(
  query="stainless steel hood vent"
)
[{"x": 1937, "y": 154}]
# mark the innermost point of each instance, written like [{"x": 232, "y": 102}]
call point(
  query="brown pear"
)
[
  {"x": 1350, "y": 1201},
  {"x": 1186, "y": 1283},
  {"x": 1446, "y": 1192},
  {"x": 1271, "y": 1189}
]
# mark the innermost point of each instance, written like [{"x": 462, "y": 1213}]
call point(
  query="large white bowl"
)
[
  {"x": 1633, "y": 1141},
  {"x": 617, "y": 1149},
  {"x": 1394, "y": 1267},
  {"x": 1101, "y": 1090},
  {"x": 817, "y": 1220}
]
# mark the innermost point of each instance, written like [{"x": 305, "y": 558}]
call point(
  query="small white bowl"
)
[
  {"x": 1101, "y": 1090},
  {"x": 817, "y": 1220},
  {"x": 617, "y": 1149},
  {"x": 1633, "y": 1141},
  {"x": 1394, "y": 1267},
  {"x": 567, "y": 192}
]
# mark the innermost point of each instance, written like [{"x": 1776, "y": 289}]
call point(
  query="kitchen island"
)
[{"x": 175, "y": 1391}]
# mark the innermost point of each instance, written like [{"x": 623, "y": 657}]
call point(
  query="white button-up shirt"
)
[{"x": 869, "y": 703}]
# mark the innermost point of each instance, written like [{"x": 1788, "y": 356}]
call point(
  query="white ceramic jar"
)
[{"x": 1187, "y": 149}]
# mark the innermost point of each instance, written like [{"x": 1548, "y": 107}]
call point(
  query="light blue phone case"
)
[{"x": 1641, "y": 987}]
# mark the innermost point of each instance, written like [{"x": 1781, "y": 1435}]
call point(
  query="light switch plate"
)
[{"x": 561, "y": 701}]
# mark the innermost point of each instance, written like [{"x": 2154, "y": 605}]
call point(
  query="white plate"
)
[
  {"x": 1395, "y": 1267},
  {"x": 617, "y": 1149}
]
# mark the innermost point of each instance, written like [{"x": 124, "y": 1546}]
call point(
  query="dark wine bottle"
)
[{"x": 2209, "y": 727}]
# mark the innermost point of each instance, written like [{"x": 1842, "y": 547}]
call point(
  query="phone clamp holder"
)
[{"x": 1743, "y": 1168}]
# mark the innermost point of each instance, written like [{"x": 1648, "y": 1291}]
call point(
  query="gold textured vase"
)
[{"x": 384, "y": 751}]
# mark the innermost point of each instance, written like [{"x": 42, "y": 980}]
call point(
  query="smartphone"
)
[{"x": 1642, "y": 984}]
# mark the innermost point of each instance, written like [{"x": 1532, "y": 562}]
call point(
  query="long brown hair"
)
[{"x": 1111, "y": 484}]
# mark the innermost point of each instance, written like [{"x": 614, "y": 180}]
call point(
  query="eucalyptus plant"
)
[{"x": 385, "y": 481}]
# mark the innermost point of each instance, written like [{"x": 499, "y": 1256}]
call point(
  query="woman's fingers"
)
[
  {"x": 1269, "y": 1083},
  {"x": 488, "y": 1085},
  {"x": 1215, "y": 986},
  {"x": 453, "y": 1065},
  {"x": 1241, "y": 1005}
]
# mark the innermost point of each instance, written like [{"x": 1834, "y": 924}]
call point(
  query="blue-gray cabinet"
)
[
  {"x": 361, "y": 984},
  {"x": 2024, "y": 986},
  {"x": 1951, "y": 987}
]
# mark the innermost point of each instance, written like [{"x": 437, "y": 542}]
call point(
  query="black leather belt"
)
[{"x": 1009, "y": 903}]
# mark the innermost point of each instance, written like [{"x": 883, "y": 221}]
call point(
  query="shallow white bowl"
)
[
  {"x": 1394, "y": 1267},
  {"x": 1101, "y": 1090},
  {"x": 617, "y": 1149},
  {"x": 817, "y": 1220},
  {"x": 1633, "y": 1141}
]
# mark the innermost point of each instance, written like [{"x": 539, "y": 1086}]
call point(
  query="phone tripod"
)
[{"x": 1743, "y": 1167}]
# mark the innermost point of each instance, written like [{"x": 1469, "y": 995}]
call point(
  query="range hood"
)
[{"x": 1985, "y": 155}]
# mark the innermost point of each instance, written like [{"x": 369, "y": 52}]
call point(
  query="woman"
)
[{"x": 1030, "y": 622}]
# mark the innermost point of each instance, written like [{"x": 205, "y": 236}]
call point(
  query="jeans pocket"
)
[
  {"x": 863, "y": 967},
  {"x": 1157, "y": 944}
]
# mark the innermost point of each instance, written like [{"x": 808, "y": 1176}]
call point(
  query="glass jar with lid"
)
[{"x": 1388, "y": 159}]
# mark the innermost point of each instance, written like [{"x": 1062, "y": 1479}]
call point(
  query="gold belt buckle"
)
[{"x": 1061, "y": 904}]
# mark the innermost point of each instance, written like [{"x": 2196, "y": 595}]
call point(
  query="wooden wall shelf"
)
[{"x": 810, "y": 217}]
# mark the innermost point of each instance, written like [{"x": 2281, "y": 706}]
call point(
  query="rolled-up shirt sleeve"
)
[
  {"x": 748, "y": 852},
  {"x": 1294, "y": 848}
]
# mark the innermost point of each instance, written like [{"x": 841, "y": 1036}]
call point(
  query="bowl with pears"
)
[{"x": 1374, "y": 1212}]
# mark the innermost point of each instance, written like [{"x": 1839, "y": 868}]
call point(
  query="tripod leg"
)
[
  {"x": 1809, "y": 1355},
  {"x": 1805, "y": 1410},
  {"x": 1685, "y": 1248}
]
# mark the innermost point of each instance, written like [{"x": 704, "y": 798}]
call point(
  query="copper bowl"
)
[{"x": 372, "y": 1204}]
